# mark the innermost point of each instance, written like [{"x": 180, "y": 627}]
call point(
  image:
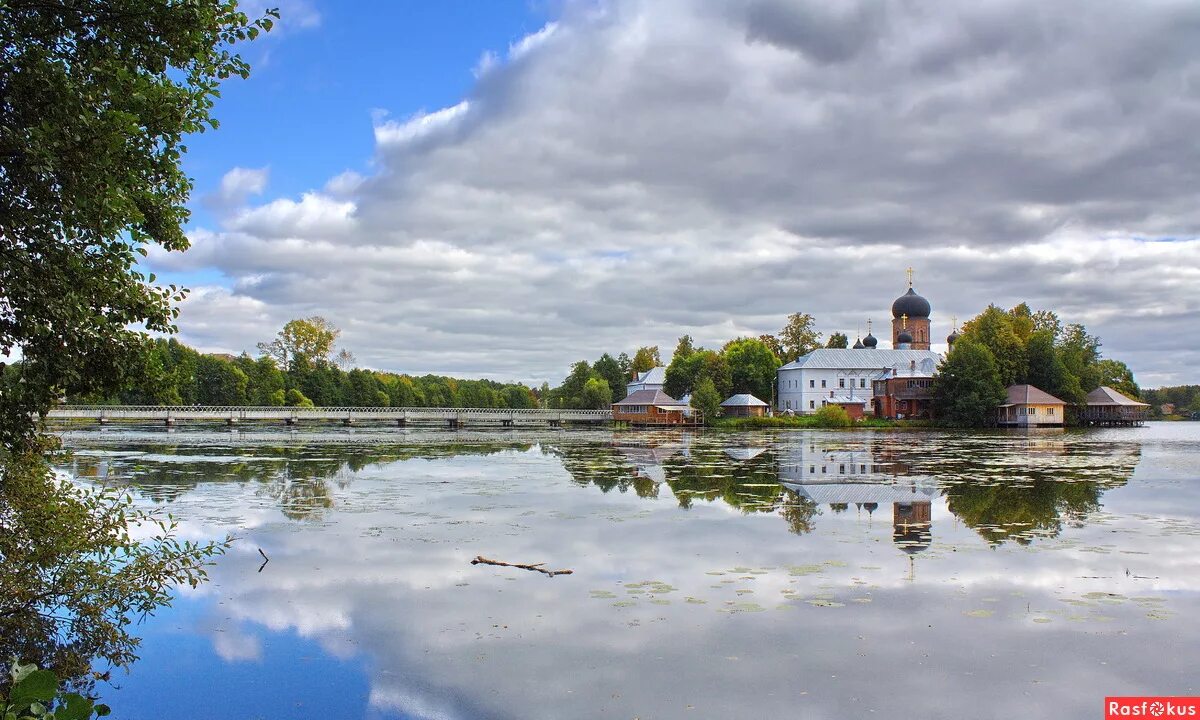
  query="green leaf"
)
[
  {"x": 38, "y": 685},
  {"x": 74, "y": 707},
  {"x": 102, "y": 710}
]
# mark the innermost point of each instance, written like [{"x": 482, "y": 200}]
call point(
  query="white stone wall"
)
[{"x": 801, "y": 389}]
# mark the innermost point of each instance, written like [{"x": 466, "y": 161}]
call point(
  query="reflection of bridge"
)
[{"x": 454, "y": 417}]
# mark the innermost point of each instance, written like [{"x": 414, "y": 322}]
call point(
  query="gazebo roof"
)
[{"x": 1106, "y": 396}]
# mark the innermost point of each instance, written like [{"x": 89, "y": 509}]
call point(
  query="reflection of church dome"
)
[
  {"x": 869, "y": 341},
  {"x": 904, "y": 338},
  {"x": 912, "y": 539},
  {"x": 870, "y": 507},
  {"x": 858, "y": 344},
  {"x": 912, "y": 305}
]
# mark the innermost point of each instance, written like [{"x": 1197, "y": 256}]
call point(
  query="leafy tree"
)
[
  {"x": 683, "y": 348},
  {"x": 276, "y": 399},
  {"x": 96, "y": 99},
  {"x": 295, "y": 398},
  {"x": 596, "y": 394},
  {"x": 799, "y": 336},
  {"x": 646, "y": 358},
  {"x": 309, "y": 339},
  {"x": 706, "y": 398},
  {"x": 1117, "y": 375},
  {"x": 773, "y": 342},
  {"x": 220, "y": 382},
  {"x": 1048, "y": 320},
  {"x": 1080, "y": 352},
  {"x": 609, "y": 368},
  {"x": 838, "y": 340},
  {"x": 967, "y": 387},
  {"x": 994, "y": 329},
  {"x": 570, "y": 393},
  {"x": 1048, "y": 372},
  {"x": 684, "y": 375},
  {"x": 752, "y": 367}
]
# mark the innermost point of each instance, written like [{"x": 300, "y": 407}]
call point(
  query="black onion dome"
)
[
  {"x": 869, "y": 341},
  {"x": 904, "y": 338},
  {"x": 858, "y": 344},
  {"x": 912, "y": 305},
  {"x": 952, "y": 338}
]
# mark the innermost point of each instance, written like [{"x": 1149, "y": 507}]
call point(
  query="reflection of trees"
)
[
  {"x": 297, "y": 477},
  {"x": 1032, "y": 487},
  {"x": 706, "y": 474}
]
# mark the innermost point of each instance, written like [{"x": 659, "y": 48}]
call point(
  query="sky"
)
[{"x": 501, "y": 188}]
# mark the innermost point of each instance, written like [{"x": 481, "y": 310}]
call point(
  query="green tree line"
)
[
  {"x": 171, "y": 373},
  {"x": 998, "y": 348}
]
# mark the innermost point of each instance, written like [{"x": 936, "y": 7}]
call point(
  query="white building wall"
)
[{"x": 803, "y": 390}]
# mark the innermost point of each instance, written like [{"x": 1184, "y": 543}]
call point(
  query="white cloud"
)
[
  {"x": 640, "y": 170},
  {"x": 237, "y": 186}
]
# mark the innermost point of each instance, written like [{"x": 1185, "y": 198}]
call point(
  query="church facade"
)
[{"x": 849, "y": 376}]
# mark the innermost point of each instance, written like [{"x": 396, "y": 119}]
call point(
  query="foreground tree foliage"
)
[{"x": 96, "y": 100}]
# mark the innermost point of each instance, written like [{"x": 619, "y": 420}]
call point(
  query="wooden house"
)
[
  {"x": 1027, "y": 406},
  {"x": 1106, "y": 406},
  {"x": 653, "y": 407}
]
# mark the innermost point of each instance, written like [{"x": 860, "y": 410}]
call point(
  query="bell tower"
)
[{"x": 910, "y": 318}]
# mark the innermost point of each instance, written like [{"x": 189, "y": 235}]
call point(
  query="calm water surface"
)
[{"x": 798, "y": 574}]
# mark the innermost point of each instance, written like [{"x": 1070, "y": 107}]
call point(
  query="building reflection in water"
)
[{"x": 868, "y": 478}]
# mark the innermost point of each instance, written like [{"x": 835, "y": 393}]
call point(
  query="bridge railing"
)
[{"x": 332, "y": 412}]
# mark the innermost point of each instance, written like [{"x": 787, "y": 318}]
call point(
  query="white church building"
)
[{"x": 844, "y": 375}]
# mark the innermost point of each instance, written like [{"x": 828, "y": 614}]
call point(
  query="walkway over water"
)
[{"x": 454, "y": 417}]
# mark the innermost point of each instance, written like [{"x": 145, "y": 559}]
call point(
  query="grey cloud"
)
[{"x": 651, "y": 169}]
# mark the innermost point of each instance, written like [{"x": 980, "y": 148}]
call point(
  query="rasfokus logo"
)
[{"x": 1151, "y": 707}]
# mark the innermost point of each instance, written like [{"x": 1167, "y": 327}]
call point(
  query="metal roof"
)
[
  {"x": 653, "y": 376},
  {"x": 864, "y": 359},
  {"x": 650, "y": 397},
  {"x": 1105, "y": 395},
  {"x": 1029, "y": 395},
  {"x": 743, "y": 400}
]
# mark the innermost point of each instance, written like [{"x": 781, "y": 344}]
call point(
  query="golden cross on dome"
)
[
  {"x": 954, "y": 319},
  {"x": 909, "y": 272},
  {"x": 904, "y": 321},
  {"x": 868, "y": 326}
]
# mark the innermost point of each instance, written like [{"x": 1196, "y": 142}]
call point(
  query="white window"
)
[
  {"x": 841, "y": 382},
  {"x": 862, "y": 382},
  {"x": 812, "y": 383},
  {"x": 822, "y": 383},
  {"x": 811, "y": 404},
  {"x": 1049, "y": 411},
  {"x": 789, "y": 404}
]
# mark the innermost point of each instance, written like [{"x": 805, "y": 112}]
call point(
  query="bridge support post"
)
[
  {"x": 231, "y": 421},
  {"x": 290, "y": 422},
  {"x": 103, "y": 420},
  {"x": 170, "y": 422},
  {"x": 348, "y": 422},
  {"x": 401, "y": 422}
]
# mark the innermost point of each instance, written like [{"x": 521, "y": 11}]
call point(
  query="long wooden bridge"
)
[{"x": 451, "y": 417}]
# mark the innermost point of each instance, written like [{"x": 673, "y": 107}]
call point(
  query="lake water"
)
[{"x": 791, "y": 574}]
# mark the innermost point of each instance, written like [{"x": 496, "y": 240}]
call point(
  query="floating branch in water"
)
[
  {"x": 481, "y": 560},
  {"x": 265, "y": 560}
]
